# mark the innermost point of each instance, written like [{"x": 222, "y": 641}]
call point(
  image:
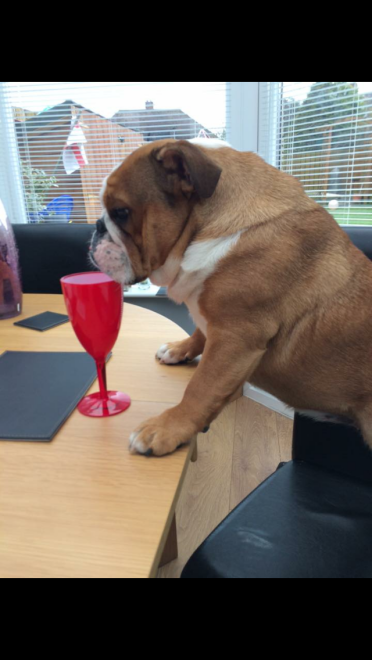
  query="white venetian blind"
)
[
  {"x": 64, "y": 138},
  {"x": 321, "y": 133}
]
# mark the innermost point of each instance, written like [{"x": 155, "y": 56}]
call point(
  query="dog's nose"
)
[{"x": 101, "y": 227}]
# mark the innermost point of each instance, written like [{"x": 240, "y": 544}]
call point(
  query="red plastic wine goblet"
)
[{"x": 95, "y": 306}]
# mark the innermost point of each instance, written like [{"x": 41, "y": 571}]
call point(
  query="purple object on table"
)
[{"x": 10, "y": 285}]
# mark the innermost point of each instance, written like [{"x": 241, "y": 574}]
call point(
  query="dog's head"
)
[{"x": 148, "y": 202}]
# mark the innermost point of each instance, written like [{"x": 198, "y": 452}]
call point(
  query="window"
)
[
  {"x": 60, "y": 140},
  {"x": 321, "y": 133}
]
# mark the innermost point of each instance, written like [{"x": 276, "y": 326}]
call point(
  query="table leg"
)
[
  {"x": 170, "y": 551},
  {"x": 194, "y": 455}
]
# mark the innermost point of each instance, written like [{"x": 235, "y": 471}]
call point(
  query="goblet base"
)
[{"x": 94, "y": 405}]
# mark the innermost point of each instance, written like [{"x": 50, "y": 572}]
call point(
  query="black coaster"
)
[
  {"x": 42, "y": 322},
  {"x": 38, "y": 392}
]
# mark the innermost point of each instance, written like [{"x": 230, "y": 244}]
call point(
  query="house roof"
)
[
  {"x": 58, "y": 113},
  {"x": 152, "y": 124},
  {"x": 160, "y": 124}
]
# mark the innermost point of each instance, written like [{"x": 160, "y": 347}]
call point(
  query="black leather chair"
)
[
  {"x": 362, "y": 238},
  {"x": 312, "y": 518},
  {"x": 47, "y": 252}
]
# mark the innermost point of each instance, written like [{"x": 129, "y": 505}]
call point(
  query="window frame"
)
[
  {"x": 12, "y": 191},
  {"x": 243, "y": 130},
  {"x": 11, "y": 186}
]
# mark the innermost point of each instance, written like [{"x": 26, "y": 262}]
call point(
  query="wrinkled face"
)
[{"x": 148, "y": 202}]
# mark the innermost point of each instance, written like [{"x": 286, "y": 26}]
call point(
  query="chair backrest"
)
[
  {"x": 362, "y": 238},
  {"x": 336, "y": 447},
  {"x": 50, "y": 251},
  {"x": 47, "y": 252}
]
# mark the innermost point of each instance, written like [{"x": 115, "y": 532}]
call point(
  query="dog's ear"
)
[{"x": 185, "y": 169}]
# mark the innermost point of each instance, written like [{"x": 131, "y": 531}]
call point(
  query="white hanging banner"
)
[{"x": 74, "y": 156}]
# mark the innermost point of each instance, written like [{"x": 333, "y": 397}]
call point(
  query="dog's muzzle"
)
[{"x": 109, "y": 257}]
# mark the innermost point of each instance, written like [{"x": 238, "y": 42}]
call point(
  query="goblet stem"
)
[{"x": 101, "y": 371}]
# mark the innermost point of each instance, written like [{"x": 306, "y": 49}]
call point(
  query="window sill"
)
[{"x": 135, "y": 291}]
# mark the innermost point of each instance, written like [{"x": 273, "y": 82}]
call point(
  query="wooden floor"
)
[{"x": 239, "y": 451}]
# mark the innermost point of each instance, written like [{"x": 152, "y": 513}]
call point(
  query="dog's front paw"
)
[
  {"x": 159, "y": 436},
  {"x": 173, "y": 353}
]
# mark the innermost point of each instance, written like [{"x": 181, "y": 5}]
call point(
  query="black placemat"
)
[
  {"x": 38, "y": 392},
  {"x": 44, "y": 321}
]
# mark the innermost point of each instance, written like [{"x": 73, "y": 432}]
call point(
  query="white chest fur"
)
[{"x": 198, "y": 264}]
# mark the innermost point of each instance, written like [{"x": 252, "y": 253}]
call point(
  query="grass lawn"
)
[{"x": 353, "y": 216}]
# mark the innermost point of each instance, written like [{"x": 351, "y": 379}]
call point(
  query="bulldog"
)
[{"x": 279, "y": 294}]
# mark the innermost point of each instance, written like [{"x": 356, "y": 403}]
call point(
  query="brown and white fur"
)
[{"x": 279, "y": 294}]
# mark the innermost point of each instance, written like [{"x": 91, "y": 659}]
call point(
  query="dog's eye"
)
[{"x": 120, "y": 215}]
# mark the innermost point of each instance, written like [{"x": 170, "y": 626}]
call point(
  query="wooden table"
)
[{"x": 82, "y": 506}]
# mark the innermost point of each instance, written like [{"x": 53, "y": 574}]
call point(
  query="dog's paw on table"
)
[
  {"x": 159, "y": 436},
  {"x": 173, "y": 353}
]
